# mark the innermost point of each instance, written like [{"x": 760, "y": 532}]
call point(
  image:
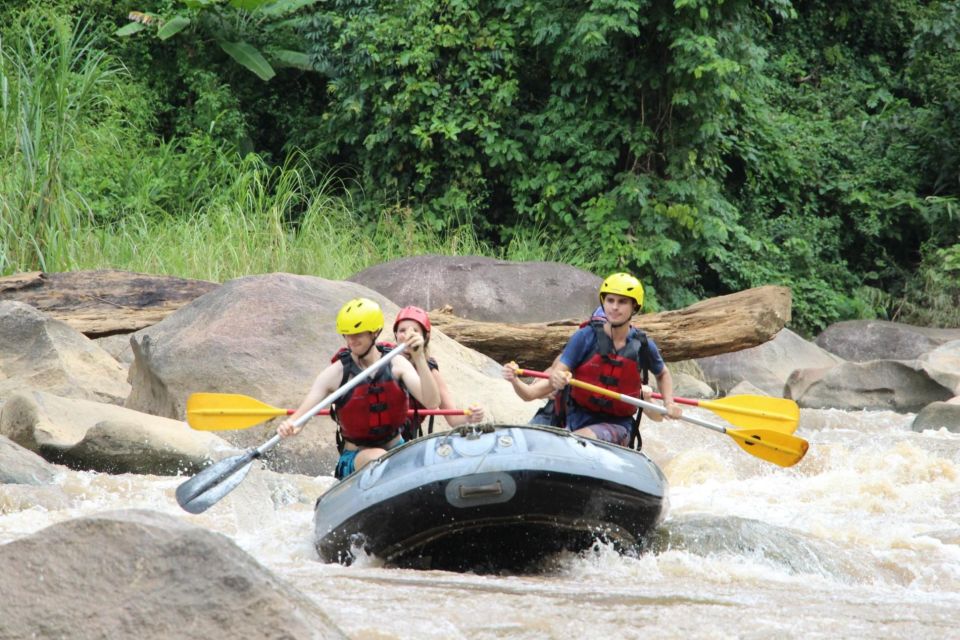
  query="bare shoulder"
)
[
  {"x": 401, "y": 366},
  {"x": 331, "y": 374}
]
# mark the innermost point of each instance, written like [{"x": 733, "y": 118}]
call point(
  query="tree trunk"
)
[
  {"x": 717, "y": 325},
  {"x": 103, "y": 303}
]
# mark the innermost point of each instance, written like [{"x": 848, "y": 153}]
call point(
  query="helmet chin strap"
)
[
  {"x": 625, "y": 322},
  {"x": 373, "y": 343}
]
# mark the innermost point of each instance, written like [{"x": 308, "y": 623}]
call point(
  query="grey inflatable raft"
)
[{"x": 490, "y": 499}]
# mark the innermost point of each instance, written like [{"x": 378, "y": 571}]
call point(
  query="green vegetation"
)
[{"x": 706, "y": 145}]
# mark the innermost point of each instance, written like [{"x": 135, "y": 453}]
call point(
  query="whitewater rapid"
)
[{"x": 860, "y": 539}]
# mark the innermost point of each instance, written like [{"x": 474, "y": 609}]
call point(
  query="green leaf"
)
[
  {"x": 248, "y": 56},
  {"x": 288, "y": 58},
  {"x": 130, "y": 29},
  {"x": 172, "y": 27},
  {"x": 285, "y": 7},
  {"x": 248, "y": 5}
]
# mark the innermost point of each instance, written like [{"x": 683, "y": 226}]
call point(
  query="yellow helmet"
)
[
  {"x": 359, "y": 315},
  {"x": 622, "y": 284}
]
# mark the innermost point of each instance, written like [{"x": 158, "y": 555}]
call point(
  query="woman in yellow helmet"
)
[{"x": 372, "y": 414}]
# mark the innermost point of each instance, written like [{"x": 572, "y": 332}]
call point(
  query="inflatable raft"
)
[{"x": 485, "y": 498}]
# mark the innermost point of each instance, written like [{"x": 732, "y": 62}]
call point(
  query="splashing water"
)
[{"x": 861, "y": 539}]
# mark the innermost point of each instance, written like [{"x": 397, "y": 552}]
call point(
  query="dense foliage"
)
[{"x": 706, "y": 145}]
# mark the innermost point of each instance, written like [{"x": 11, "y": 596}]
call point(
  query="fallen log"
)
[
  {"x": 718, "y": 325},
  {"x": 108, "y": 302},
  {"x": 103, "y": 303}
]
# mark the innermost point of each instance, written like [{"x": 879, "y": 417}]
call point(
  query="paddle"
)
[
  {"x": 205, "y": 489},
  {"x": 748, "y": 411},
  {"x": 229, "y": 411},
  {"x": 783, "y": 449}
]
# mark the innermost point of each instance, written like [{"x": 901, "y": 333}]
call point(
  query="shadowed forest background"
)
[{"x": 705, "y": 146}]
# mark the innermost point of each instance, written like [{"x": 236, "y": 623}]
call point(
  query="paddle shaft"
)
[
  {"x": 545, "y": 375},
  {"x": 324, "y": 412},
  {"x": 206, "y": 488},
  {"x": 738, "y": 435},
  {"x": 742, "y": 411},
  {"x": 776, "y": 447},
  {"x": 336, "y": 393}
]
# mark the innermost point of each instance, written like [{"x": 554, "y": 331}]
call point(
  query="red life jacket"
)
[
  {"x": 371, "y": 413},
  {"x": 621, "y": 371}
]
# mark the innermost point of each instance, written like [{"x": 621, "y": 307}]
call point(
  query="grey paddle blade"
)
[{"x": 205, "y": 489}]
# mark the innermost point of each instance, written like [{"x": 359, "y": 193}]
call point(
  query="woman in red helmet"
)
[
  {"x": 373, "y": 414},
  {"x": 415, "y": 321}
]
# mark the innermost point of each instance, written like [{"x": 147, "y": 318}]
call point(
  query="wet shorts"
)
[
  {"x": 609, "y": 432},
  {"x": 348, "y": 459}
]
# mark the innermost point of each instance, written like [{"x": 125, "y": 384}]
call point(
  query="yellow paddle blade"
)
[
  {"x": 227, "y": 411},
  {"x": 779, "y": 448},
  {"x": 760, "y": 412}
]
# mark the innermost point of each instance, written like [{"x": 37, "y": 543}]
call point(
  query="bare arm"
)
[
  {"x": 323, "y": 385},
  {"x": 415, "y": 374},
  {"x": 665, "y": 384},
  {"x": 646, "y": 394},
  {"x": 539, "y": 388},
  {"x": 447, "y": 402}
]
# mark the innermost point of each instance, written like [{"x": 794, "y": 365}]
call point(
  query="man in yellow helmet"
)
[
  {"x": 609, "y": 352},
  {"x": 372, "y": 414}
]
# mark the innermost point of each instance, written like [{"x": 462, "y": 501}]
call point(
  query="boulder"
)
[
  {"x": 118, "y": 346},
  {"x": 268, "y": 337},
  {"x": 864, "y": 340},
  {"x": 895, "y": 385},
  {"x": 146, "y": 575},
  {"x": 486, "y": 289},
  {"x": 938, "y": 415},
  {"x": 943, "y": 365},
  {"x": 746, "y": 388},
  {"x": 19, "y": 465},
  {"x": 102, "y": 437},
  {"x": 38, "y": 352},
  {"x": 688, "y": 386},
  {"x": 767, "y": 366}
]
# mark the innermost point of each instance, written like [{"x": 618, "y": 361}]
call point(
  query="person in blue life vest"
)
[
  {"x": 414, "y": 320},
  {"x": 554, "y": 412},
  {"x": 609, "y": 352},
  {"x": 372, "y": 415}
]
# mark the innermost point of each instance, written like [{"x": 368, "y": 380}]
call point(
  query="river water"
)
[{"x": 861, "y": 539}]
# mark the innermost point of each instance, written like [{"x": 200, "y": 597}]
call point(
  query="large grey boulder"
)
[
  {"x": 19, "y": 465},
  {"x": 767, "y": 366},
  {"x": 268, "y": 337},
  {"x": 104, "y": 437},
  {"x": 943, "y": 365},
  {"x": 146, "y": 575},
  {"x": 939, "y": 415},
  {"x": 486, "y": 289},
  {"x": 38, "y": 352},
  {"x": 895, "y": 385},
  {"x": 864, "y": 340},
  {"x": 118, "y": 346}
]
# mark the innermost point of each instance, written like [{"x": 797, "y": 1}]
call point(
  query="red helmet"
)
[{"x": 416, "y": 314}]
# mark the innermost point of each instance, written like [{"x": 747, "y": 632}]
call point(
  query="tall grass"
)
[
  {"x": 85, "y": 184},
  {"x": 267, "y": 219},
  {"x": 51, "y": 78}
]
